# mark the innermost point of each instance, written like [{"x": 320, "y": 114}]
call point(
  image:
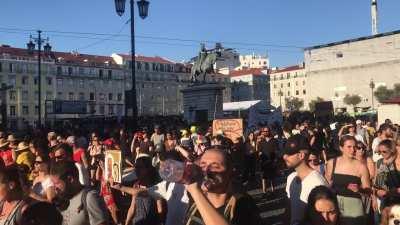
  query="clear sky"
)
[{"x": 279, "y": 27}]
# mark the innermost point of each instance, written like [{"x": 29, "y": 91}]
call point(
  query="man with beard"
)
[
  {"x": 78, "y": 205},
  {"x": 301, "y": 182},
  {"x": 214, "y": 202}
]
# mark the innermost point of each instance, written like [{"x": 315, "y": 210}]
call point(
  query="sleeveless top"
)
[
  {"x": 341, "y": 181},
  {"x": 77, "y": 156},
  {"x": 14, "y": 216}
]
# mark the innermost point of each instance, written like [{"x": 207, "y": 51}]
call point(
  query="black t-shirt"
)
[
  {"x": 269, "y": 148},
  {"x": 246, "y": 213}
]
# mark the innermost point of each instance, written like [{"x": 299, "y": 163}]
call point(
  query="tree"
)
[
  {"x": 382, "y": 93},
  {"x": 294, "y": 104},
  {"x": 352, "y": 100},
  {"x": 314, "y": 102}
]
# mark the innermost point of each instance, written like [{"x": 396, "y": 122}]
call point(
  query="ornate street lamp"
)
[
  {"x": 372, "y": 86},
  {"x": 143, "y": 7}
]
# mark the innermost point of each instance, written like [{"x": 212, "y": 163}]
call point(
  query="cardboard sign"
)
[
  {"x": 113, "y": 164},
  {"x": 232, "y": 128}
]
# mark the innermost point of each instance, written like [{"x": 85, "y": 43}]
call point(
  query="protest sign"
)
[
  {"x": 231, "y": 128},
  {"x": 113, "y": 163}
]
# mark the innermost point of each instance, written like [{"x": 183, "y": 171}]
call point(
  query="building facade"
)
[
  {"x": 288, "y": 82},
  {"x": 249, "y": 84},
  {"x": 253, "y": 61},
  {"x": 347, "y": 67}
]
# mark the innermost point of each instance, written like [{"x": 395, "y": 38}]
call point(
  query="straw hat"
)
[
  {"x": 3, "y": 142},
  {"x": 22, "y": 146},
  {"x": 11, "y": 138}
]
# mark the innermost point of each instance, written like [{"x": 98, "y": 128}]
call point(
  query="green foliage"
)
[
  {"x": 352, "y": 100},
  {"x": 294, "y": 104},
  {"x": 382, "y": 93},
  {"x": 313, "y": 102}
]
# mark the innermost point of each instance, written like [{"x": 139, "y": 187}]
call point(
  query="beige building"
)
[
  {"x": 288, "y": 82},
  {"x": 347, "y": 67},
  {"x": 249, "y": 84}
]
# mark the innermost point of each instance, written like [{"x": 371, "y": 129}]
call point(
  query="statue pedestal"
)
[{"x": 202, "y": 102}]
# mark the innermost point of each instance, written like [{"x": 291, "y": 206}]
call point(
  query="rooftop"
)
[
  {"x": 287, "y": 69},
  {"x": 394, "y": 100},
  {"x": 354, "y": 40},
  {"x": 252, "y": 71},
  {"x": 140, "y": 58}
]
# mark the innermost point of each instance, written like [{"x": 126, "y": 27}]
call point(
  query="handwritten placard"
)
[{"x": 231, "y": 128}]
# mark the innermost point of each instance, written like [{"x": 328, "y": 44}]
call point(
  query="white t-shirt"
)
[
  {"x": 298, "y": 190},
  {"x": 83, "y": 174},
  {"x": 177, "y": 200}
]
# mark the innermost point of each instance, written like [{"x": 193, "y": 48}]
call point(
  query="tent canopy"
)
[{"x": 236, "y": 106}]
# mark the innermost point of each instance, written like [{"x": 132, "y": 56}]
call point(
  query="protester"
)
[
  {"x": 213, "y": 201},
  {"x": 314, "y": 161},
  {"x": 78, "y": 205},
  {"x": 299, "y": 183},
  {"x": 41, "y": 213},
  {"x": 384, "y": 132},
  {"x": 42, "y": 187},
  {"x": 12, "y": 199},
  {"x": 349, "y": 178},
  {"x": 322, "y": 208},
  {"x": 268, "y": 147}
]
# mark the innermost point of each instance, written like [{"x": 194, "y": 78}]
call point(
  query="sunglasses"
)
[
  {"x": 59, "y": 157},
  {"x": 38, "y": 162},
  {"x": 383, "y": 152},
  {"x": 360, "y": 148}
]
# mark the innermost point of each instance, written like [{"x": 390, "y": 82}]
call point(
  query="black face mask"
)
[{"x": 212, "y": 180}]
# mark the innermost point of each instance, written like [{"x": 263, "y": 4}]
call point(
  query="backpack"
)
[{"x": 228, "y": 212}]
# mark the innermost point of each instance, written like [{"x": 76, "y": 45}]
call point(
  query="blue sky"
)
[{"x": 258, "y": 26}]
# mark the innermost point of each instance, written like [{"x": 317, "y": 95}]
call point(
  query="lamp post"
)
[
  {"x": 372, "y": 86},
  {"x": 143, "y": 7},
  {"x": 31, "y": 49}
]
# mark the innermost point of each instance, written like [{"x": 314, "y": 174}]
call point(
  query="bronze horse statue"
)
[{"x": 204, "y": 64}]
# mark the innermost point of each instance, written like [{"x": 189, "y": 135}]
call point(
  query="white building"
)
[
  {"x": 253, "y": 61},
  {"x": 347, "y": 67},
  {"x": 250, "y": 84},
  {"x": 288, "y": 82}
]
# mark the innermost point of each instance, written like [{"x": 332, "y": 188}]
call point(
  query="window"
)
[
  {"x": 81, "y": 83},
  {"x": 110, "y": 97},
  {"x": 35, "y": 81},
  {"x": 119, "y": 97},
  {"x": 10, "y": 68},
  {"x": 139, "y": 65},
  {"x": 101, "y": 109},
  {"x": 71, "y": 96},
  {"x": 304, "y": 92},
  {"x": 109, "y": 74},
  {"x": 59, "y": 70},
  {"x": 297, "y": 83},
  {"x": 49, "y": 81},
  {"x": 71, "y": 82},
  {"x": 111, "y": 109},
  {"x": 70, "y": 71},
  {"x": 25, "y": 95},
  {"x": 281, "y": 77},
  {"x": 11, "y": 80},
  {"x": 91, "y": 83},
  {"x": 49, "y": 95},
  {"x": 339, "y": 55},
  {"x": 281, "y": 85},
  {"x": 101, "y": 97},
  {"x": 304, "y": 82},
  {"x": 101, "y": 73},
  {"x": 59, "y": 82},
  {"x": 274, "y": 85},
  {"x": 81, "y": 96},
  {"x": 288, "y": 93},
  {"x": 12, "y": 95},
  {"x": 91, "y": 96},
  {"x": 59, "y": 95},
  {"x": 146, "y": 66},
  {"x": 92, "y": 109},
  {"x": 36, "y": 110},
  {"x": 12, "y": 110},
  {"x": 25, "y": 110},
  {"x": 288, "y": 84},
  {"x": 36, "y": 95},
  {"x": 1, "y": 67},
  {"x": 288, "y": 75},
  {"x": 24, "y": 80},
  {"x": 297, "y": 92}
]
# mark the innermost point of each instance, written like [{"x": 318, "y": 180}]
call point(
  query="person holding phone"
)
[{"x": 349, "y": 178}]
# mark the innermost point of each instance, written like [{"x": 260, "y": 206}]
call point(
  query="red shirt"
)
[
  {"x": 7, "y": 157},
  {"x": 77, "y": 156}
]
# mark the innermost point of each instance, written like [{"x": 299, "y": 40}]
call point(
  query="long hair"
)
[{"x": 318, "y": 193}]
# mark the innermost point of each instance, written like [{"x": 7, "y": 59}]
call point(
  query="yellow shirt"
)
[{"x": 26, "y": 158}]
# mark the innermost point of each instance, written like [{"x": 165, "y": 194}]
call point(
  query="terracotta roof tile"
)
[
  {"x": 155, "y": 59},
  {"x": 394, "y": 100},
  {"x": 253, "y": 71}
]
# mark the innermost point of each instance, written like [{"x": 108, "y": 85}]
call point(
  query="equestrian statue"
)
[{"x": 205, "y": 63}]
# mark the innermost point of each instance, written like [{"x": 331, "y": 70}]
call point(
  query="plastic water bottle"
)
[{"x": 178, "y": 172}]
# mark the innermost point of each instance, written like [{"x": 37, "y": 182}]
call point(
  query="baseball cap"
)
[{"x": 296, "y": 143}]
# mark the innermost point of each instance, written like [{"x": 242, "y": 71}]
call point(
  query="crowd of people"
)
[{"x": 338, "y": 174}]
